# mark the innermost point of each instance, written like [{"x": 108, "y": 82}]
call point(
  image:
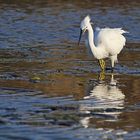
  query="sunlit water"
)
[{"x": 52, "y": 89}]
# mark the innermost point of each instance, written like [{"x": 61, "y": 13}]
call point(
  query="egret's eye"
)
[{"x": 85, "y": 29}]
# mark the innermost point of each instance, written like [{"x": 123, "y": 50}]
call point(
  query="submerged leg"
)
[
  {"x": 102, "y": 64},
  {"x": 112, "y": 69}
]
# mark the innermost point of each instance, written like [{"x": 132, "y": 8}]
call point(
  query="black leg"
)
[{"x": 112, "y": 69}]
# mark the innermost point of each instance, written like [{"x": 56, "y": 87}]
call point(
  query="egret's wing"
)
[{"x": 111, "y": 39}]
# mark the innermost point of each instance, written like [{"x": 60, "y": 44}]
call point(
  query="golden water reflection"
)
[{"x": 105, "y": 99}]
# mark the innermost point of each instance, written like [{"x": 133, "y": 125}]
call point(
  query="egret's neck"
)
[
  {"x": 91, "y": 37},
  {"x": 98, "y": 52}
]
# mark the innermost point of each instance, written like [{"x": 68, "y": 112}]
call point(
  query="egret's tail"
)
[{"x": 121, "y": 31}]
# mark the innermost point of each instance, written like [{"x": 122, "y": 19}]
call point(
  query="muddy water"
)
[{"x": 52, "y": 89}]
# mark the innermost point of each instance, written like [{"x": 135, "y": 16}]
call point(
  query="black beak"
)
[{"x": 81, "y": 32}]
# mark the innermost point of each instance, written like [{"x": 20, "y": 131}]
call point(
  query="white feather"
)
[
  {"x": 106, "y": 42},
  {"x": 111, "y": 39}
]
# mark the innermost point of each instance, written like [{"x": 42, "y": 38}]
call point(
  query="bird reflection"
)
[{"x": 105, "y": 101}]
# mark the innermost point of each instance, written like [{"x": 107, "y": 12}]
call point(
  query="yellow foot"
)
[
  {"x": 101, "y": 76},
  {"x": 102, "y": 64}
]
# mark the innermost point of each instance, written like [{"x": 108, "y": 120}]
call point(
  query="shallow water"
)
[{"x": 52, "y": 89}]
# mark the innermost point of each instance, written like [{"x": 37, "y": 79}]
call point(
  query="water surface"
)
[{"x": 50, "y": 88}]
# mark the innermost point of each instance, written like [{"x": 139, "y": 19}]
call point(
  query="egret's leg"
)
[
  {"x": 112, "y": 66},
  {"x": 102, "y": 75},
  {"x": 113, "y": 60},
  {"x": 102, "y": 64},
  {"x": 112, "y": 69}
]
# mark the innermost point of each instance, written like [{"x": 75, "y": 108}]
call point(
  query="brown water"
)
[{"x": 50, "y": 87}]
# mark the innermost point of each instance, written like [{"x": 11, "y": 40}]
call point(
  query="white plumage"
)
[{"x": 106, "y": 42}]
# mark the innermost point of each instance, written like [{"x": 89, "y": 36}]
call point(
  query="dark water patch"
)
[
  {"x": 34, "y": 24},
  {"x": 127, "y": 70},
  {"x": 11, "y": 76}
]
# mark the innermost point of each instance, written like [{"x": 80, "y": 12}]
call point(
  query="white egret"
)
[{"x": 104, "y": 43}]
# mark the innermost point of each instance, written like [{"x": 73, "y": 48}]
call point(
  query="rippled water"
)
[{"x": 50, "y": 88}]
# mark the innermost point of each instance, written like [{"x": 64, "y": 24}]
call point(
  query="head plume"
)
[
  {"x": 87, "y": 18},
  {"x": 85, "y": 21}
]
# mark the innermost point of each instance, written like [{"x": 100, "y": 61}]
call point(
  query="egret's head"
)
[{"x": 84, "y": 26}]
